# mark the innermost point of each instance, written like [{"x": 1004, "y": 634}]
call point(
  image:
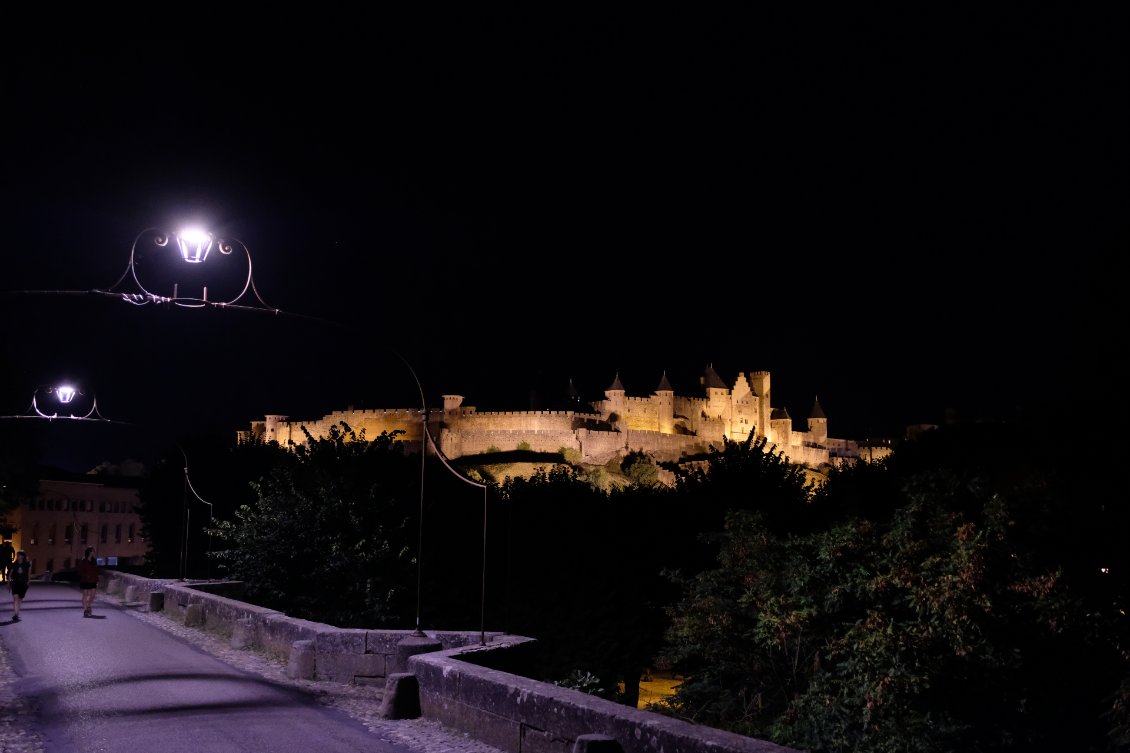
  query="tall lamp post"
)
[
  {"x": 195, "y": 247},
  {"x": 426, "y": 439}
]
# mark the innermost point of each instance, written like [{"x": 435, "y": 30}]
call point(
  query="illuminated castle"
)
[{"x": 664, "y": 425}]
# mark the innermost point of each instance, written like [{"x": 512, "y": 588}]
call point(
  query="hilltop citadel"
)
[{"x": 665, "y": 426}]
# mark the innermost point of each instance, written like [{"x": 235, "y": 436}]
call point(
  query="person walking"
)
[
  {"x": 17, "y": 582},
  {"x": 88, "y": 572}
]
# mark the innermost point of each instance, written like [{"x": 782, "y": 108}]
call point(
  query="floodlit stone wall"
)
[{"x": 664, "y": 425}]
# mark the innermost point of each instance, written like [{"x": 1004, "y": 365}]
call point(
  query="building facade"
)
[{"x": 65, "y": 517}]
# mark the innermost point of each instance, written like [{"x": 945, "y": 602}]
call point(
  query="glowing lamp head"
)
[
  {"x": 194, "y": 245},
  {"x": 65, "y": 393}
]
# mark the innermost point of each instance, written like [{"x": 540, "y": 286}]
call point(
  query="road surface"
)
[{"x": 120, "y": 683}]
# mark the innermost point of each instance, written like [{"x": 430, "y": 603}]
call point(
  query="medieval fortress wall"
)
[{"x": 663, "y": 425}]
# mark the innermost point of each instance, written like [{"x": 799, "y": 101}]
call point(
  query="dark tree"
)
[
  {"x": 952, "y": 598},
  {"x": 330, "y": 537}
]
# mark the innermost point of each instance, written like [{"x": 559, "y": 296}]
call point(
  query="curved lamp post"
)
[{"x": 426, "y": 439}]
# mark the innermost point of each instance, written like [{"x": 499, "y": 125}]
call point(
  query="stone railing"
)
[{"x": 443, "y": 671}]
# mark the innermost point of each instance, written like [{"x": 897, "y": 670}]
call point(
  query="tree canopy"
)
[{"x": 948, "y": 599}]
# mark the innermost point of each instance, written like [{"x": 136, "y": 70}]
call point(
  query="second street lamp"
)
[{"x": 68, "y": 394}]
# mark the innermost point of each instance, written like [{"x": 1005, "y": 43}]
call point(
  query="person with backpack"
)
[
  {"x": 88, "y": 572},
  {"x": 18, "y": 579}
]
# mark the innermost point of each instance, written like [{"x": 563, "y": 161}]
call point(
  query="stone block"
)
[
  {"x": 401, "y": 698},
  {"x": 156, "y": 601},
  {"x": 596, "y": 744},
  {"x": 340, "y": 641},
  {"x": 113, "y": 586},
  {"x": 384, "y": 642},
  {"x": 300, "y": 665},
  {"x": 130, "y": 593},
  {"x": 345, "y": 667},
  {"x": 243, "y": 633},
  {"x": 194, "y": 615}
]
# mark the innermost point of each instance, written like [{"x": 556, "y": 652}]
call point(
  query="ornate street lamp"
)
[
  {"x": 159, "y": 268},
  {"x": 79, "y": 409}
]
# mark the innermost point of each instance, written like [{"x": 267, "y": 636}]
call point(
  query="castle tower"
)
[
  {"x": 743, "y": 408},
  {"x": 614, "y": 397},
  {"x": 451, "y": 405},
  {"x": 275, "y": 429},
  {"x": 759, "y": 383},
  {"x": 665, "y": 403},
  {"x": 818, "y": 423},
  {"x": 782, "y": 428},
  {"x": 573, "y": 397},
  {"x": 717, "y": 393}
]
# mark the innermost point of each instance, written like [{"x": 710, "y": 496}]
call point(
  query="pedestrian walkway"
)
[{"x": 139, "y": 681}]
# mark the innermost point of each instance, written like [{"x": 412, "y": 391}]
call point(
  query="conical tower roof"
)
[
  {"x": 616, "y": 384},
  {"x": 817, "y": 411},
  {"x": 664, "y": 385},
  {"x": 710, "y": 379},
  {"x": 779, "y": 413}
]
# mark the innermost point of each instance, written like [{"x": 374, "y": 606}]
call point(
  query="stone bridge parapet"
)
[{"x": 513, "y": 713}]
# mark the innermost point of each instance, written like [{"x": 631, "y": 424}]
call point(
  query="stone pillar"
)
[
  {"x": 300, "y": 665},
  {"x": 156, "y": 601},
  {"x": 410, "y": 646},
  {"x": 402, "y": 697},
  {"x": 242, "y": 633},
  {"x": 194, "y": 615}
]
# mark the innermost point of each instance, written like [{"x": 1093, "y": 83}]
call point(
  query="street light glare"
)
[
  {"x": 65, "y": 393},
  {"x": 194, "y": 245}
]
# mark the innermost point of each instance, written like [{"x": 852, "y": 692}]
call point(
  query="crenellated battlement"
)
[
  {"x": 526, "y": 413},
  {"x": 372, "y": 413}
]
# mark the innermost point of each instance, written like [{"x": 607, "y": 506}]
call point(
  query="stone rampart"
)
[
  {"x": 640, "y": 413},
  {"x": 373, "y": 423},
  {"x": 475, "y": 442},
  {"x": 661, "y": 446},
  {"x": 516, "y": 421},
  {"x": 598, "y": 447}
]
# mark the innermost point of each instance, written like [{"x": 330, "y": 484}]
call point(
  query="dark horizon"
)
[{"x": 902, "y": 216}]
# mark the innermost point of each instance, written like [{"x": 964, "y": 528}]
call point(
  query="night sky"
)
[{"x": 902, "y": 215}]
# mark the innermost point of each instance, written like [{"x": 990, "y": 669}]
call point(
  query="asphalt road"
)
[{"x": 119, "y": 684}]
